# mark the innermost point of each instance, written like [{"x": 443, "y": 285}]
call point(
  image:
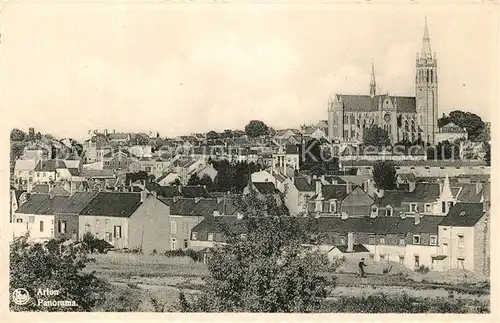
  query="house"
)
[
  {"x": 298, "y": 191},
  {"x": 127, "y": 220},
  {"x": 286, "y": 157},
  {"x": 210, "y": 231},
  {"x": 262, "y": 189},
  {"x": 451, "y": 132},
  {"x": 464, "y": 239},
  {"x": 340, "y": 200},
  {"x": 207, "y": 170},
  {"x": 168, "y": 178},
  {"x": 354, "y": 252},
  {"x": 186, "y": 213},
  {"x": 24, "y": 173},
  {"x": 262, "y": 176},
  {"x": 38, "y": 227},
  {"x": 119, "y": 160},
  {"x": 425, "y": 168},
  {"x": 17, "y": 198}
]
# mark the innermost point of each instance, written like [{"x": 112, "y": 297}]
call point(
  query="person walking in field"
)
[{"x": 361, "y": 267}]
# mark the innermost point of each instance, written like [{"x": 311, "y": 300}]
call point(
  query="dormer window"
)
[
  {"x": 413, "y": 207},
  {"x": 333, "y": 207},
  {"x": 388, "y": 211}
]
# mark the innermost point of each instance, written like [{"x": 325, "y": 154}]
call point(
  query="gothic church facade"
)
[{"x": 404, "y": 117}]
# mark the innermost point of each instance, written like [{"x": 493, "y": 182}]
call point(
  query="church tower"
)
[
  {"x": 373, "y": 84},
  {"x": 426, "y": 90}
]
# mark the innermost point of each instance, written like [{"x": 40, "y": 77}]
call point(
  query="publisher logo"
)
[{"x": 20, "y": 296}]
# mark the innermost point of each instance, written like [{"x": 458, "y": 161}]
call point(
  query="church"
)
[{"x": 404, "y": 117}]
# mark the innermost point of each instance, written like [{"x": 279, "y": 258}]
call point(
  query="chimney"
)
[
  {"x": 143, "y": 196},
  {"x": 344, "y": 216},
  {"x": 239, "y": 216},
  {"x": 348, "y": 187},
  {"x": 479, "y": 187},
  {"x": 417, "y": 219},
  {"x": 350, "y": 242}
]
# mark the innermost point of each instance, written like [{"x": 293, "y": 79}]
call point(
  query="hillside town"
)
[{"x": 383, "y": 178}]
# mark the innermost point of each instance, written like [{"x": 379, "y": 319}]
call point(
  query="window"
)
[
  {"x": 433, "y": 240},
  {"x": 333, "y": 207},
  {"x": 428, "y": 208},
  {"x": 210, "y": 237},
  {"x": 185, "y": 243},
  {"x": 62, "y": 226},
  {"x": 186, "y": 228},
  {"x": 371, "y": 239},
  {"x": 353, "y": 134},
  {"x": 413, "y": 207},
  {"x": 117, "y": 231},
  {"x": 382, "y": 257},
  {"x": 41, "y": 226},
  {"x": 417, "y": 261},
  {"x": 402, "y": 241},
  {"x": 109, "y": 237},
  {"x": 96, "y": 223},
  {"x": 194, "y": 236},
  {"x": 44, "y": 174},
  {"x": 401, "y": 259},
  {"x": 372, "y": 256},
  {"x": 381, "y": 239},
  {"x": 416, "y": 239},
  {"x": 388, "y": 211},
  {"x": 342, "y": 240},
  {"x": 443, "y": 207},
  {"x": 460, "y": 240},
  {"x": 87, "y": 227},
  {"x": 450, "y": 205},
  {"x": 173, "y": 227},
  {"x": 174, "y": 244},
  {"x": 460, "y": 262}
]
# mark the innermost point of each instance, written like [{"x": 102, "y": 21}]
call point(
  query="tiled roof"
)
[
  {"x": 52, "y": 205},
  {"x": 378, "y": 225},
  {"x": 18, "y": 194},
  {"x": 97, "y": 173},
  {"x": 463, "y": 215},
  {"x": 393, "y": 198},
  {"x": 33, "y": 204},
  {"x": 113, "y": 204},
  {"x": 365, "y": 103},
  {"x": 59, "y": 190},
  {"x": 77, "y": 202},
  {"x": 25, "y": 164},
  {"x": 265, "y": 187},
  {"x": 49, "y": 165},
  {"x": 41, "y": 188},
  {"x": 337, "y": 192},
  {"x": 410, "y": 177},
  {"x": 424, "y": 192},
  {"x": 429, "y": 163},
  {"x": 303, "y": 185},
  {"x": 74, "y": 171},
  {"x": 216, "y": 224},
  {"x": 466, "y": 192},
  {"x": 194, "y": 191}
]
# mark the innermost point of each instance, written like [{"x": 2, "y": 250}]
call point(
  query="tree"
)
[
  {"x": 38, "y": 136},
  {"x": 317, "y": 159},
  {"x": 176, "y": 182},
  {"x": 384, "y": 175},
  {"x": 266, "y": 271},
  {"x": 55, "y": 265},
  {"x": 470, "y": 121},
  {"x": 213, "y": 135},
  {"x": 487, "y": 156},
  {"x": 443, "y": 151},
  {"x": 17, "y": 135},
  {"x": 31, "y": 134},
  {"x": 207, "y": 181},
  {"x": 194, "y": 180},
  {"x": 256, "y": 128},
  {"x": 376, "y": 137}
]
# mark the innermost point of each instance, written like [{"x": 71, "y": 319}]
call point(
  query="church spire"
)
[
  {"x": 426, "y": 42},
  {"x": 373, "y": 84}
]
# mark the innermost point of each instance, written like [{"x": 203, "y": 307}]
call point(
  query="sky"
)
[{"x": 178, "y": 69}]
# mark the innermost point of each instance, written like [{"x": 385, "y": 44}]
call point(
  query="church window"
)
[
  {"x": 432, "y": 76},
  {"x": 353, "y": 134},
  {"x": 390, "y": 130},
  {"x": 427, "y": 78},
  {"x": 346, "y": 133},
  {"x": 352, "y": 119},
  {"x": 413, "y": 126},
  {"x": 406, "y": 126}
]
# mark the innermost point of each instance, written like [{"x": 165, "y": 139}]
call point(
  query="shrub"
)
[
  {"x": 56, "y": 266},
  {"x": 422, "y": 269},
  {"x": 183, "y": 253}
]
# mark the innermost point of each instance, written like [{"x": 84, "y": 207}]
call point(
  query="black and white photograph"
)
[{"x": 208, "y": 157}]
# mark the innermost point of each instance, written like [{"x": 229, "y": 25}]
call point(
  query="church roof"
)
[{"x": 365, "y": 103}]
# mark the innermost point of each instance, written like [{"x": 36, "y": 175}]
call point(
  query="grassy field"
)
[{"x": 152, "y": 283}]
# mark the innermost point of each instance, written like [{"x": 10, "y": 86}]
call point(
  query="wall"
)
[
  {"x": 184, "y": 225},
  {"x": 481, "y": 247},
  {"x": 32, "y": 223},
  {"x": 448, "y": 243},
  {"x": 423, "y": 251},
  {"x": 71, "y": 226},
  {"x": 100, "y": 225},
  {"x": 262, "y": 176},
  {"x": 149, "y": 226}
]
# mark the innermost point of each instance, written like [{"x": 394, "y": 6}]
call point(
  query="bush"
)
[
  {"x": 92, "y": 244},
  {"x": 56, "y": 266},
  {"x": 422, "y": 269},
  {"x": 183, "y": 253}
]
